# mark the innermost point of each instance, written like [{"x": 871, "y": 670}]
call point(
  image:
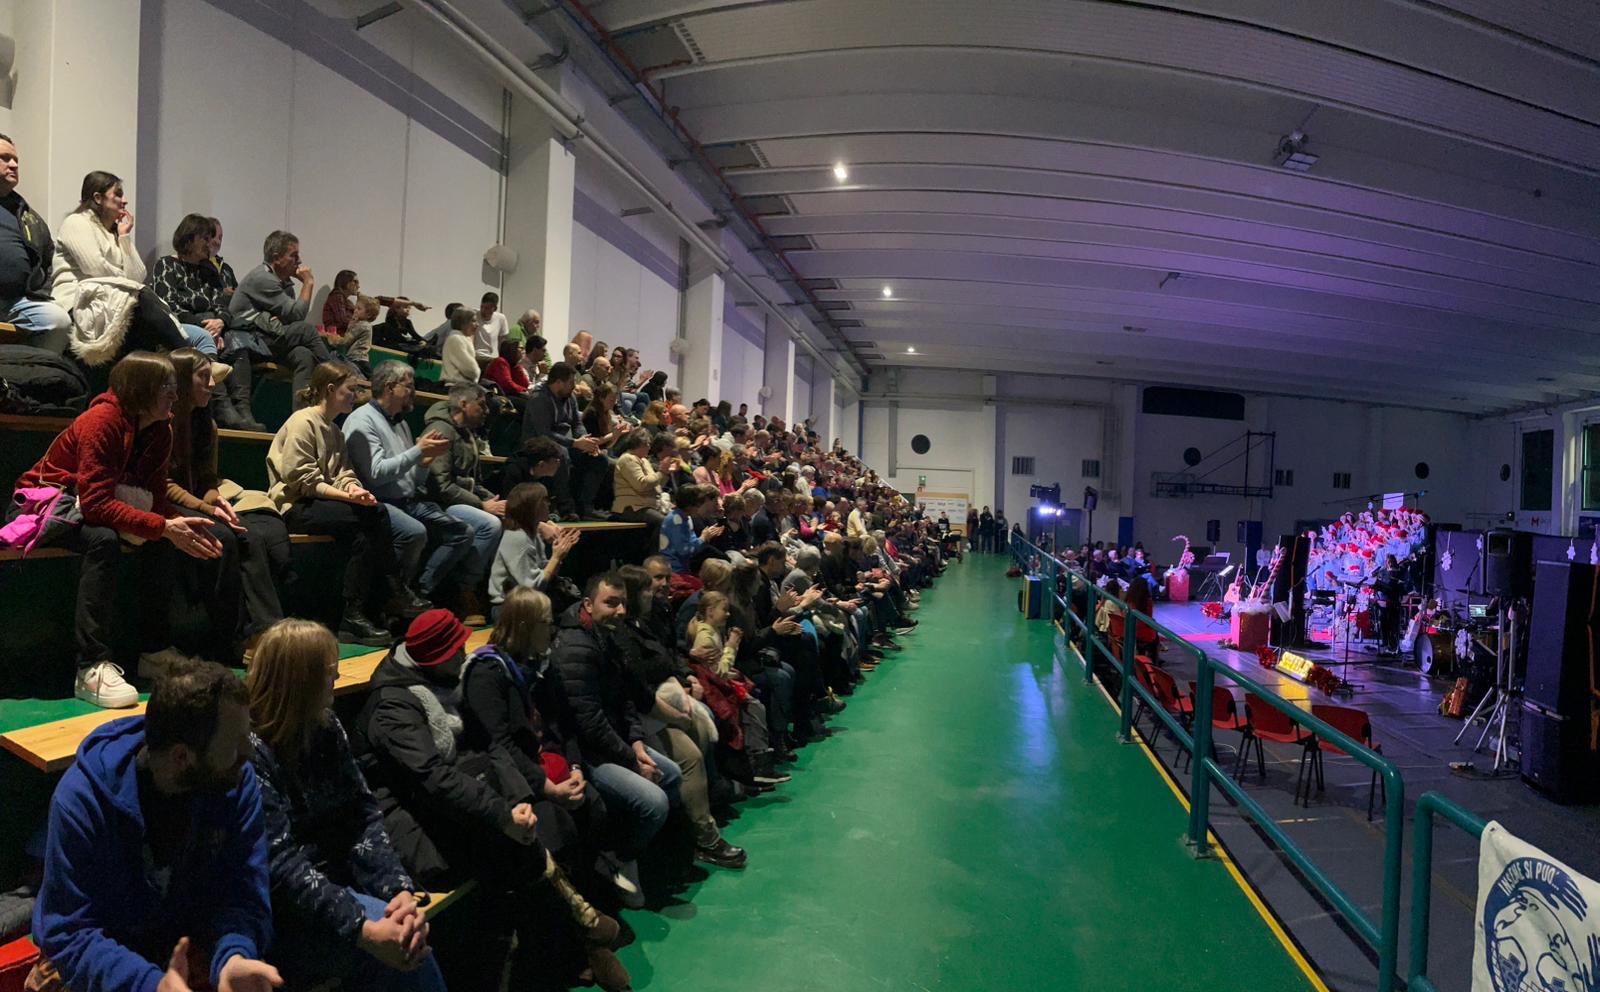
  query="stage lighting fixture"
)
[{"x": 1292, "y": 154}]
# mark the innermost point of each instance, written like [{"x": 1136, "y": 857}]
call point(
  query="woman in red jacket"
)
[
  {"x": 507, "y": 372},
  {"x": 114, "y": 458}
]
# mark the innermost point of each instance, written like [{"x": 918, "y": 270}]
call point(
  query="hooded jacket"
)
[
  {"x": 102, "y": 918},
  {"x": 101, "y": 451},
  {"x": 453, "y": 478},
  {"x": 600, "y": 693},
  {"x": 431, "y": 800}
]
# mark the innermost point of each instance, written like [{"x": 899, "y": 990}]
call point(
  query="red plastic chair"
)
[
  {"x": 1166, "y": 692},
  {"x": 1264, "y": 722},
  {"x": 1355, "y": 724}
]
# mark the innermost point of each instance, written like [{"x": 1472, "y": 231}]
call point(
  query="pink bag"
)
[{"x": 41, "y": 515}]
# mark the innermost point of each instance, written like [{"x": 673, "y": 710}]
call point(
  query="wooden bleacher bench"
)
[
  {"x": 15, "y": 554},
  {"x": 228, "y": 434},
  {"x": 602, "y": 525},
  {"x": 51, "y": 747},
  {"x": 9, "y": 334},
  {"x": 14, "y": 422}
]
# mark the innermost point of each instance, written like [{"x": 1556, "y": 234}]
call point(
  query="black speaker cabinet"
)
[
  {"x": 1560, "y": 637},
  {"x": 1556, "y": 758},
  {"x": 1508, "y": 563}
]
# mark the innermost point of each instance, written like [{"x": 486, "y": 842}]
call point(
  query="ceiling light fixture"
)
[
  {"x": 840, "y": 172},
  {"x": 911, "y": 350},
  {"x": 1292, "y": 154},
  {"x": 888, "y": 292}
]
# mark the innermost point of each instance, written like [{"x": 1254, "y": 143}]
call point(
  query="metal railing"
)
[
  {"x": 1430, "y": 805},
  {"x": 1383, "y": 935}
]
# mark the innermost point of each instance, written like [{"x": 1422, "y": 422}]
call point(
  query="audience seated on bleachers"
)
[
  {"x": 315, "y": 487},
  {"x": 458, "y": 814},
  {"x": 508, "y": 372},
  {"x": 267, "y": 301},
  {"x": 192, "y": 287},
  {"x": 155, "y": 859},
  {"x": 541, "y": 768},
  {"x": 27, "y": 257},
  {"x": 110, "y": 465},
  {"x": 343, "y": 904},
  {"x": 429, "y": 543}
]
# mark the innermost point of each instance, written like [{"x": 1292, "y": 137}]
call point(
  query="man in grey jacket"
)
[
  {"x": 267, "y": 306},
  {"x": 552, "y": 412},
  {"x": 455, "y": 482},
  {"x": 394, "y": 468}
]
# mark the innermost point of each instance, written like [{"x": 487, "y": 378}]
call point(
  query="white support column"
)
[
  {"x": 822, "y": 400},
  {"x": 77, "y": 99},
  {"x": 540, "y": 187},
  {"x": 700, "y": 364},
  {"x": 779, "y": 372}
]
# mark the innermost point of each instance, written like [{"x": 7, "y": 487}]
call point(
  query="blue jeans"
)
[
  {"x": 200, "y": 339},
  {"x": 47, "y": 325},
  {"x": 485, "y": 534},
  {"x": 638, "y": 806},
  {"x": 413, "y": 522},
  {"x": 307, "y": 956}
]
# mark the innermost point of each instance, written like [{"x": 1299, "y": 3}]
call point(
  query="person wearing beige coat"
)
[{"x": 311, "y": 481}]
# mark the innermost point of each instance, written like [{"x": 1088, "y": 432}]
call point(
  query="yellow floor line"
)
[{"x": 1249, "y": 890}]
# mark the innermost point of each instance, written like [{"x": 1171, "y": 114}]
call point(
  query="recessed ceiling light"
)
[
  {"x": 888, "y": 291},
  {"x": 911, "y": 351},
  {"x": 840, "y": 172}
]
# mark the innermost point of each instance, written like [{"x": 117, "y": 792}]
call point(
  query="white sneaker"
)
[
  {"x": 104, "y": 686},
  {"x": 624, "y": 875}
]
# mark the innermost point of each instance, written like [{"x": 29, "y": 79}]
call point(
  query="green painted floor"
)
[{"x": 972, "y": 826}]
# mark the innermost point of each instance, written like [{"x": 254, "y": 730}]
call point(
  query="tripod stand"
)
[
  {"x": 1497, "y": 702},
  {"x": 1214, "y": 587}
]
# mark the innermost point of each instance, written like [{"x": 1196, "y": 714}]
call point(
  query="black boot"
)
[
  {"x": 358, "y": 628},
  {"x": 404, "y": 604},
  {"x": 239, "y": 389}
]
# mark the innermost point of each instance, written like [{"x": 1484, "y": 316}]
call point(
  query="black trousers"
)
[
  {"x": 372, "y": 568},
  {"x": 101, "y": 548},
  {"x": 263, "y": 566},
  {"x": 208, "y": 599},
  {"x": 299, "y": 346}
]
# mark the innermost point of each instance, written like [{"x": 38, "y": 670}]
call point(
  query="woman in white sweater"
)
[
  {"x": 460, "y": 360},
  {"x": 99, "y": 279}
]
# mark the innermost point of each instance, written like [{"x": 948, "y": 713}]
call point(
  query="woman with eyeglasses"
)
[{"x": 110, "y": 468}]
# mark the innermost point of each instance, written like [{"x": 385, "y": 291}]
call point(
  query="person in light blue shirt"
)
[
  {"x": 394, "y": 468},
  {"x": 679, "y": 542}
]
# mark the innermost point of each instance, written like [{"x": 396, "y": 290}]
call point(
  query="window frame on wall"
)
[
  {"x": 1541, "y": 495},
  {"x": 1589, "y": 472}
]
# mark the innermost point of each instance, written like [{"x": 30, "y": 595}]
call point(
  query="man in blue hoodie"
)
[{"x": 155, "y": 869}]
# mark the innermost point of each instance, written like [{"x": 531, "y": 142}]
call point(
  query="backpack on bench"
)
[{"x": 39, "y": 383}]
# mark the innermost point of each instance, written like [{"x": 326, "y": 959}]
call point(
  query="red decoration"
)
[
  {"x": 1211, "y": 611},
  {"x": 1267, "y": 655}
]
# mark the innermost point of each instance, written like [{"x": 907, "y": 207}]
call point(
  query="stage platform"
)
[{"x": 1403, "y": 706}]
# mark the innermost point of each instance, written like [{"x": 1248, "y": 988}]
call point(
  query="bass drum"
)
[{"x": 1435, "y": 654}]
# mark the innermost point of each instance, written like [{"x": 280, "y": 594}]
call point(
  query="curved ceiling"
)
[{"x": 1089, "y": 188}]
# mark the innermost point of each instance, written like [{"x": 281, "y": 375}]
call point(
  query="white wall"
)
[
  {"x": 364, "y": 186},
  {"x": 8, "y": 50},
  {"x": 620, "y": 301}
]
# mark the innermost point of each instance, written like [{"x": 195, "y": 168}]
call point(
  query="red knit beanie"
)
[{"x": 434, "y": 638}]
